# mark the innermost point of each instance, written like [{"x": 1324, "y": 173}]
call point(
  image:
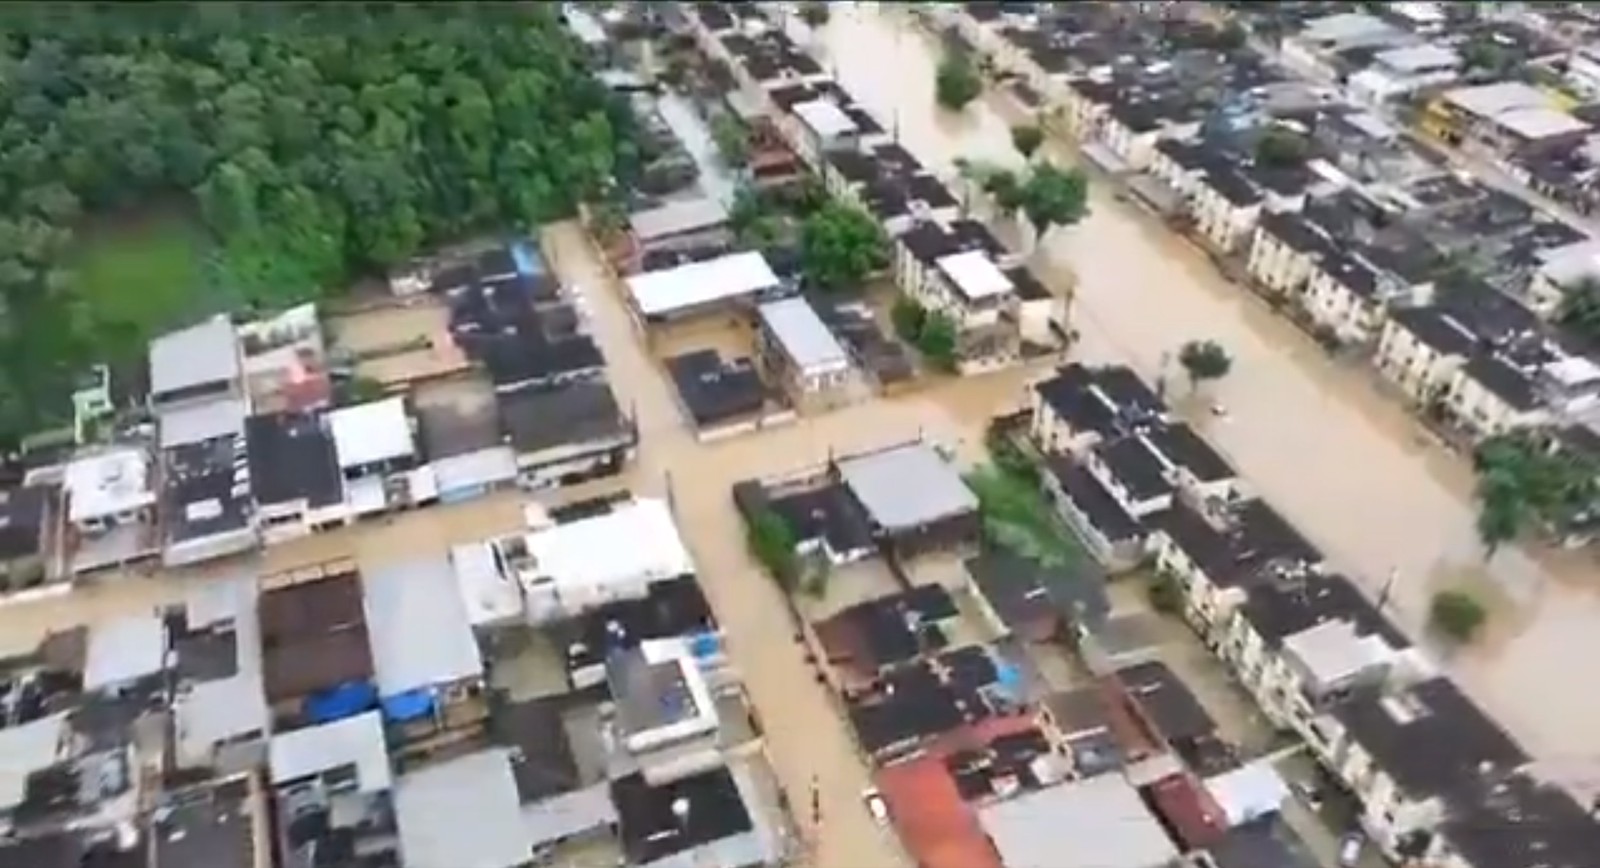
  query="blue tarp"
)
[
  {"x": 529, "y": 261},
  {"x": 408, "y": 706},
  {"x": 346, "y": 700},
  {"x": 705, "y": 645}
]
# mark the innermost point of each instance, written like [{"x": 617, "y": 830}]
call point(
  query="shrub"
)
[{"x": 1457, "y": 614}]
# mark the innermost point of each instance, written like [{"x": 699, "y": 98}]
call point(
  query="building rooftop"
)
[
  {"x": 677, "y": 218},
  {"x": 352, "y": 746},
  {"x": 938, "y": 827},
  {"x": 462, "y": 813},
  {"x": 1098, "y": 505},
  {"x": 194, "y": 361},
  {"x": 292, "y": 456},
  {"x": 1250, "y": 537},
  {"x": 583, "y": 554},
  {"x": 211, "y": 826},
  {"x": 1278, "y": 610},
  {"x": 888, "y": 630},
  {"x": 529, "y": 354},
  {"x": 206, "y": 490},
  {"x": 669, "y": 609},
  {"x": 660, "y": 293},
  {"x": 29, "y": 748},
  {"x": 824, "y": 118},
  {"x": 1136, "y": 467},
  {"x": 1503, "y": 381},
  {"x": 714, "y": 390},
  {"x": 825, "y": 513},
  {"x": 975, "y": 275},
  {"x": 805, "y": 339},
  {"x": 656, "y": 822},
  {"x": 542, "y": 761},
  {"x": 578, "y": 413},
  {"x": 1096, "y": 823},
  {"x": 1431, "y": 739},
  {"x": 1523, "y": 823},
  {"x": 193, "y": 423},
  {"x": 1180, "y": 444},
  {"x": 417, "y": 624},
  {"x": 661, "y": 697},
  {"x": 22, "y": 520},
  {"x": 371, "y": 433},
  {"x": 124, "y": 650},
  {"x": 108, "y": 482},
  {"x": 1167, "y": 701},
  {"x": 1435, "y": 328},
  {"x": 906, "y": 487}
]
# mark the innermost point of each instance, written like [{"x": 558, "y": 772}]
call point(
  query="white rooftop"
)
[
  {"x": 108, "y": 483},
  {"x": 633, "y": 543},
  {"x": 316, "y": 750},
  {"x": 975, "y": 275},
  {"x": 27, "y": 748},
  {"x": 1350, "y": 29},
  {"x": 462, "y": 813},
  {"x": 489, "y": 595},
  {"x": 200, "y": 354},
  {"x": 197, "y": 423},
  {"x": 676, "y": 218},
  {"x": 372, "y": 432},
  {"x": 1489, "y": 100},
  {"x": 907, "y": 486},
  {"x": 825, "y": 119},
  {"x": 697, "y": 283},
  {"x": 1540, "y": 122},
  {"x": 1333, "y": 651},
  {"x": 1249, "y": 792},
  {"x": 1096, "y": 823},
  {"x": 804, "y": 336},
  {"x": 1419, "y": 58},
  {"x": 123, "y": 650},
  {"x": 418, "y": 627},
  {"x": 1572, "y": 371},
  {"x": 211, "y": 713}
]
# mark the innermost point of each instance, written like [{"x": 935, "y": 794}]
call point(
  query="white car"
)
[
  {"x": 1350, "y": 849},
  {"x": 876, "y": 806}
]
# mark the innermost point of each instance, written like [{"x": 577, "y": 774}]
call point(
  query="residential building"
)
[
  {"x": 1104, "y": 815},
  {"x": 294, "y": 475},
  {"x": 284, "y": 362},
  {"x": 678, "y": 226},
  {"x": 1079, "y": 407},
  {"x": 316, "y": 655},
  {"x": 1133, "y": 473},
  {"x": 1225, "y": 206},
  {"x": 1522, "y": 822},
  {"x": 700, "y": 287},
  {"x": 1115, "y": 535},
  {"x": 1399, "y": 72},
  {"x": 206, "y": 506},
  {"x": 1420, "y": 349},
  {"x": 1314, "y": 52},
  {"x": 1342, "y": 297},
  {"x": 376, "y": 447},
  {"x": 1505, "y": 118},
  {"x": 1285, "y": 252},
  {"x": 110, "y": 507},
  {"x": 801, "y": 352},
  {"x": 913, "y": 498},
  {"x": 334, "y": 790},
  {"x": 720, "y": 396},
  {"x": 26, "y": 515},
  {"x": 1488, "y": 395},
  {"x": 566, "y": 433}
]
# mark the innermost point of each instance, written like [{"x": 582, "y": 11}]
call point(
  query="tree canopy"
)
[
  {"x": 1580, "y": 309},
  {"x": 840, "y": 245},
  {"x": 1027, "y": 138},
  {"x": 1053, "y": 196},
  {"x": 1204, "y": 360},
  {"x": 1281, "y": 147},
  {"x": 310, "y": 141},
  {"x": 1524, "y": 483},
  {"x": 956, "y": 82},
  {"x": 1456, "y": 614}
]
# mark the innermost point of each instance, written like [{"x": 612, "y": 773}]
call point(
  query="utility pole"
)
[{"x": 1388, "y": 586}]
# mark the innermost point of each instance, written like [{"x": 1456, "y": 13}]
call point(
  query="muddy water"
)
[{"x": 1345, "y": 464}]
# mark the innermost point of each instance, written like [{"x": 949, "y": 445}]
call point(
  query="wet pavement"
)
[{"x": 1313, "y": 436}]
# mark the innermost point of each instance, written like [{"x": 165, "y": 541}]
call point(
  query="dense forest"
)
[{"x": 302, "y": 143}]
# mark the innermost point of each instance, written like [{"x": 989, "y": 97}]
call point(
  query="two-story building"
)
[
  {"x": 1342, "y": 297},
  {"x": 1419, "y": 350},
  {"x": 1285, "y": 251},
  {"x": 1078, "y": 406},
  {"x": 1488, "y": 395}
]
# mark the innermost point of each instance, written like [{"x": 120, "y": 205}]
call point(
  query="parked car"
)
[{"x": 876, "y": 805}]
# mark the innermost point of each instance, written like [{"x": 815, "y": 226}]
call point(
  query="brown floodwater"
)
[{"x": 1313, "y": 436}]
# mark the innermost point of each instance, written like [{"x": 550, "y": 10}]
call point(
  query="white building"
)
[
  {"x": 569, "y": 568},
  {"x": 800, "y": 349},
  {"x": 698, "y": 287},
  {"x": 376, "y": 446}
]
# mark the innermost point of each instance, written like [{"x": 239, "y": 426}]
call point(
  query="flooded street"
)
[{"x": 1315, "y": 438}]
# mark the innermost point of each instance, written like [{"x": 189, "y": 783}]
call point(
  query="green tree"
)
[
  {"x": 908, "y": 317},
  {"x": 937, "y": 340},
  {"x": 1525, "y": 482},
  {"x": 1281, "y": 147},
  {"x": 313, "y": 143},
  {"x": 840, "y": 246},
  {"x": 1164, "y": 593},
  {"x": 956, "y": 82},
  {"x": 1580, "y": 309},
  {"x": 1204, "y": 360},
  {"x": 772, "y": 542},
  {"x": 1457, "y": 614},
  {"x": 814, "y": 14},
  {"x": 1052, "y": 197},
  {"x": 1027, "y": 138},
  {"x": 733, "y": 140}
]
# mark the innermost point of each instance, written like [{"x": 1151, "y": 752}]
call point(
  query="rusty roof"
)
[
  {"x": 310, "y": 608},
  {"x": 935, "y": 824},
  {"x": 1189, "y": 811},
  {"x": 309, "y": 664}
]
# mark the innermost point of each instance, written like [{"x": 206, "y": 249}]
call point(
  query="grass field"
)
[{"x": 138, "y": 277}]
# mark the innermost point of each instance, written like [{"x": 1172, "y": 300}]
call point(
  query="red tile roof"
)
[
  {"x": 1190, "y": 811},
  {"x": 937, "y": 827}
]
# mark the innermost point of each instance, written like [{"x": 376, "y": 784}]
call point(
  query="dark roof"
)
[
  {"x": 888, "y": 630},
  {"x": 1432, "y": 740},
  {"x": 526, "y": 356},
  {"x": 1254, "y": 536},
  {"x": 828, "y": 513},
  {"x": 1503, "y": 381},
  {"x": 914, "y": 704},
  {"x": 716, "y": 391},
  {"x": 1264, "y": 843},
  {"x": 931, "y": 191},
  {"x": 1486, "y": 313},
  {"x": 208, "y": 828},
  {"x": 22, "y": 513},
  {"x": 1169, "y": 703},
  {"x": 539, "y": 418},
  {"x": 1136, "y": 467},
  {"x": 69, "y": 849},
  {"x": 1186, "y": 449},
  {"x": 649, "y": 828},
  {"x": 1295, "y": 231},
  {"x": 311, "y": 664},
  {"x": 200, "y": 491},
  {"x": 292, "y": 456},
  {"x": 542, "y": 760},
  {"x": 1127, "y": 390},
  {"x": 1431, "y": 326},
  {"x": 309, "y": 608},
  {"x": 1185, "y": 154},
  {"x": 1089, "y": 496},
  {"x": 1029, "y": 287},
  {"x": 1523, "y": 823},
  {"x": 1231, "y": 184},
  {"x": 1013, "y": 587},
  {"x": 1068, "y": 395},
  {"x": 1352, "y": 273},
  {"x": 1281, "y": 609},
  {"x": 672, "y": 607}
]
